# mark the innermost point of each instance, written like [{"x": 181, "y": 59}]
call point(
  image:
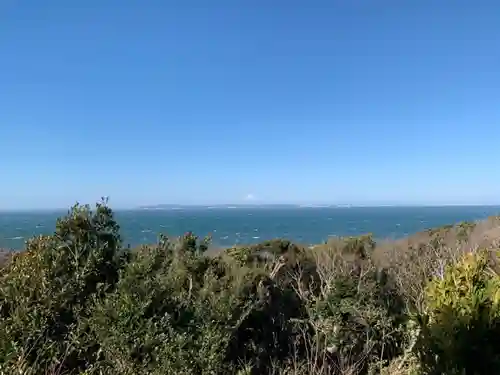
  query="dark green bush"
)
[
  {"x": 46, "y": 290},
  {"x": 176, "y": 311},
  {"x": 266, "y": 252},
  {"x": 162, "y": 317}
]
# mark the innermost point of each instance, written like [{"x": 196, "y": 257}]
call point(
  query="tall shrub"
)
[{"x": 48, "y": 288}]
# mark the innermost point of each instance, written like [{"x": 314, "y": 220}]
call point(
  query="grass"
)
[{"x": 79, "y": 302}]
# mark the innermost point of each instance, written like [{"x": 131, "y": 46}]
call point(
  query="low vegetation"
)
[{"x": 80, "y": 302}]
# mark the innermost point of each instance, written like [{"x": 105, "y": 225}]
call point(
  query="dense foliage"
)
[
  {"x": 79, "y": 302},
  {"x": 462, "y": 321}
]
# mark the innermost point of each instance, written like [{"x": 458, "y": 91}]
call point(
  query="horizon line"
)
[{"x": 249, "y": 205}]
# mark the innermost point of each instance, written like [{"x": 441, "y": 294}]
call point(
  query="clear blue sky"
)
[{"x": 361, "y": 102}]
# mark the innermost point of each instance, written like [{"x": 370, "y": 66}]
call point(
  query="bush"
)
[
  {"x": 461, "y": 327},
  {"x": 414, "y": 266},
  {"x": 162, "y": 318},
  {"x": 358, "y": 315},
  {"x": 47, "y": 289},
  {"x": 176, "y": 311}
]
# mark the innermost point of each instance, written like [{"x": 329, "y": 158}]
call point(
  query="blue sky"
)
[{"x": 361, "y": 102}]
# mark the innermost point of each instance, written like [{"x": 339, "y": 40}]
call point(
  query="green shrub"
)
[
  {"x": 266, "y": 252},
  {"x": 155, "y": 321},
  {"x": 47, "y": 289},
  {"x": 177, "y": 311},
  {"x": 461, "y": 327}
]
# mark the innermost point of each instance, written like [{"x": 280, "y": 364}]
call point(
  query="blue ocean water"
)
[{"x": 229, "y": 226}]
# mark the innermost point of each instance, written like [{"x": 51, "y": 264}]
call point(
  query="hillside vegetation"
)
[{"x": 79, "y": 302}]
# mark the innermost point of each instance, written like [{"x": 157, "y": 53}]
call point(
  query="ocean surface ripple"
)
[{"x": 306, "y": 225}]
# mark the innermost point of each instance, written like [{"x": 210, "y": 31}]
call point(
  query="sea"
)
[{"x": 230, "y": 226}]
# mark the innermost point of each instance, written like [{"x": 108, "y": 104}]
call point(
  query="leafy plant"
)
[
  {"x": 461, "y": 327},
  {"x": 47, "y": 289}
]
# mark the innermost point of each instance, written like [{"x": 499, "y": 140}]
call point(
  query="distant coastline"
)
[
  {"x": 222, "y": 206},
  {"x": 295, "y": 206},
  {"x": 251, "y": 206}
]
